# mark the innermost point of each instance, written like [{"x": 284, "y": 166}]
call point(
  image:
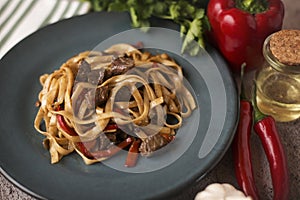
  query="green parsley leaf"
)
[{"x": 188, "y": 14}]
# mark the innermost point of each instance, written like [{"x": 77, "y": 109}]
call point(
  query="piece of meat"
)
[
  {"x": 83, "y": 71},
  {"x": 101, "y": 95},
  {"x": 119, "y": 66},
  {"x": 96, "y": 77},
  {"x": 151, "y": 144}
]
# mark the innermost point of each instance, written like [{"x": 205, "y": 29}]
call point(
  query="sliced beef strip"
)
[
  {"x": 151, "y": 144},
  {"x": 96, "y": 77},
  {"x": 119, "y": 66},
  {"x": 101, "y": 96},
  {"x": 83, "y": 71}
]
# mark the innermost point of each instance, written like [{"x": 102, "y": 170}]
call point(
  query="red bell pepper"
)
[
  {"x": 239, "y": 28},
  {"x": 133, "y": 154},
  {"x": 113, "y": 149},
  {"x": 63, "y": 124}
]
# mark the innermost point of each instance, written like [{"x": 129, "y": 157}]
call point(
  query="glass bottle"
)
[{"x": 278, "y": 87}]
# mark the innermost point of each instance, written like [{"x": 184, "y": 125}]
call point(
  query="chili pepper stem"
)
[
  {"x": 258, "y": 115},
  {"x": 242, "y": 94},
  {"x": 252, "y": 6}
]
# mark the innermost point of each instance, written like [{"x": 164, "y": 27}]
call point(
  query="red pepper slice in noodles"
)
[{"x": 133, "y": 154}]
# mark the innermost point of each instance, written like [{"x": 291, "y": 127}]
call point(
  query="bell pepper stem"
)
[{"x": 252, "y": 6}]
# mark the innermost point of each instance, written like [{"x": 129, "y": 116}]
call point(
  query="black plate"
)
[{"x": 27, "y": 164}]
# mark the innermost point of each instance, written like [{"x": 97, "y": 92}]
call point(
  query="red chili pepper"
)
[
  {"x": 133, "y": 154},
  {"x": 239, "y": 28},
  {"x": 82, "y": 148},
  {"x": 63, "y": 124},
  {"x": 265, "y": 127},
  {"x": 113, "y": 149},
  {"x": 242, "y": 151},
  {"x": 110, "y": 127},
  {"x": 168, "y": 137},
  {"x": 80, "y": 145}
]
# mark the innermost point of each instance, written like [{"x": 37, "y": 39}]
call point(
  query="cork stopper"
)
[{"x": 285, "y": 46}]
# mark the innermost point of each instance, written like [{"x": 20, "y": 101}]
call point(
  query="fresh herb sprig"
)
[{"x": 188, "y": 14}]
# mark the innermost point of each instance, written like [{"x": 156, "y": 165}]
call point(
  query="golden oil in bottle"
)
[
  {"x": 278, "y": 86},
  {"x": 278, "y": 95}
]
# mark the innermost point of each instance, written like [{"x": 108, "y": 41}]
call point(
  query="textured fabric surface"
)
[
  {"x": 224, "y": 171},
  {"x": 19, "y": 18}
]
